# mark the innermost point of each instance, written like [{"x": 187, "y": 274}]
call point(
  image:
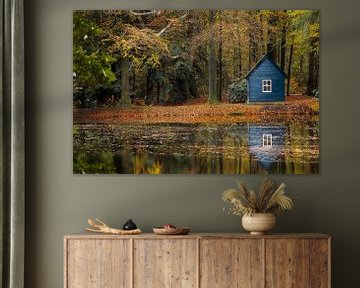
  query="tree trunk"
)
[
  {"x": 311, "y": 73},
  {"x": 125, "y": 84},
  {"x": 148, "y": 86},
  {"x": 252, "y": 51},
  {"x": 312, "y": 69},
  {"x": 283, "y": 47},
  {"x": 278, "y": 49},
  {"x": 316, "y": 72},
  {"x": 240, "y": 61},
  {"x": 252, "y": 44},
  {"x": 212, "y": 61},
  {"x": 235, "y": 67},
  {"x": 237, "y": 56},
  {"x": 220, "y": 76},
  {"x": 271, "y": 45},
  {"x": 158, "y": 93},
  {"x": 249, "y": 56},
  {"x": 262, "y": 36},
  {"x": 289, "y": 67},
  {"x": 238, "y": 65},
  {"x": 134, "y": 80}
]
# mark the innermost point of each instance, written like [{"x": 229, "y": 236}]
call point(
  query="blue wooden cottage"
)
[{"x": 266, "y": 82}]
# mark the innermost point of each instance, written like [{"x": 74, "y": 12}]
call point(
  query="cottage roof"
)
[{"x": 266, "y": 56}]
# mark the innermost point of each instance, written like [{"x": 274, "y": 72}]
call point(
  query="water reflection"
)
[
  {"x": 267, "y": 144},
  {"x": 196, "y": 149}
]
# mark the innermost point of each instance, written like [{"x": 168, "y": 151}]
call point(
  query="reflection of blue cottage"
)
[
  {"x": 266, "y": 143},
  {"x": 266, "y": 82}
]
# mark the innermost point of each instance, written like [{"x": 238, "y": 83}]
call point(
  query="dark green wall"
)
[{"x": 59, "y": 202}]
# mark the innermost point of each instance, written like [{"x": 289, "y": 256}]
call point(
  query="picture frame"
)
[{"x": 196, "y": 91}]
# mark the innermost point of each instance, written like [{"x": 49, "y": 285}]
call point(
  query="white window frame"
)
[
  {"x": 267, "y": 140},
  {"x": 266, "y": 86}
]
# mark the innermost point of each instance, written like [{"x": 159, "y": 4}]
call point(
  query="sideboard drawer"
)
[
  {"x": 231, "y": 263},
  {"x": 98, "y": 263},
  {"x": 297, "y": 263},
  {"x": 165, "y": 263},
  {"x": 197, "y": 261}
]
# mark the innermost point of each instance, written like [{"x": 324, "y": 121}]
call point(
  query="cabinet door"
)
[
  {"x": 320, "y": 263},
  {"x": 165, "y": 263},
  {"x": 98, "y": 263},
  {"x": 231, "y": 263},
  {"x": 287, "y": 263}
]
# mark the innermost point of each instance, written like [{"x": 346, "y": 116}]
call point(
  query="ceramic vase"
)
[{"x": 259, "y": 223}]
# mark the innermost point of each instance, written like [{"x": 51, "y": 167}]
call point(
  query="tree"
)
[
  {"x": 272, "y": 37},
  {"x": 305, "y": 58},
  {"x": 289, "y": 66},
  {"x": 220, "y": 60},
  {"x": 212, "y": 61},
  {"x": 239, "y": 55},
  {"x": 125, "y": 83},
  {"x": 283, "y": 39},
  {"x": 313, "y": 70},
  {"x": 136, "y": 45},
  {"x": 252, "y": 47}
]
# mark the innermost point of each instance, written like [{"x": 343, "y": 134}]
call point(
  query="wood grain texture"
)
[
  {"x": 319, "y": 263},
  {"x": 197, "y": 260},
  {"x": 98, "y": 263},
  {"x": 287, "y": 263},
  {"x": 231, "y": 263},
  {"x": 164, "y": 263},
  {"x": 88, "y": 235}
]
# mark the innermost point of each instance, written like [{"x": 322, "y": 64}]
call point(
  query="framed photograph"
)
[{"x": 196, "y": 92}]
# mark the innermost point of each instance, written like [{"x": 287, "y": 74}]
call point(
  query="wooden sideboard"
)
[{"x": 197, "y": 260}]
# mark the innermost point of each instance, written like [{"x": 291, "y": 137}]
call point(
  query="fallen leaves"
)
[{"x": 295, "y": 108}]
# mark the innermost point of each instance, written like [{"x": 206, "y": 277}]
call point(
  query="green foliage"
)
[
  {"x": 238, "y": 91},
  {"x": 158, "y": 80},
  {"x": 100, "y": 95},
  {"x": 156, "y": 77},
  {"x": 183, "y": 82},
  {"x": 107, "y": 93},
  {"x": 84, "y": 98},
  {"x": 92, "y": 68},
  {"x": 91, "y": 63},
  {"x": 93, "y": 163},
  {"x": 267, "y": 200}
]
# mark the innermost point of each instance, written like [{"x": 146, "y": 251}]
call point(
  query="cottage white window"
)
[
  {"x": 267, "y": 140},
  {"x": 266, "y": 85}
]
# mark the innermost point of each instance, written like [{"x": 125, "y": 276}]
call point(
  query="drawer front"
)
[
  {"x": 98, "y": 263},
  {"x": 231, "y": 263},
  {"x": 297, "y": 263},
  {"x": 165, "y": 263}
]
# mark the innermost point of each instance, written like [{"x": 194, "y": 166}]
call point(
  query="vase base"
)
[{"x": 257, "y": 233}]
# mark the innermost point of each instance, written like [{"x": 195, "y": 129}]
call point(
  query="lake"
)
[{"x": 172, "y": 148}]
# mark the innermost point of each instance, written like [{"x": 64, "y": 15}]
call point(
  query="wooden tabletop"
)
[{"x": 89, "y": 235}]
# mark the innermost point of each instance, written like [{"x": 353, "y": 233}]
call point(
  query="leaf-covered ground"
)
[{"x": 295, "y": 108}]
